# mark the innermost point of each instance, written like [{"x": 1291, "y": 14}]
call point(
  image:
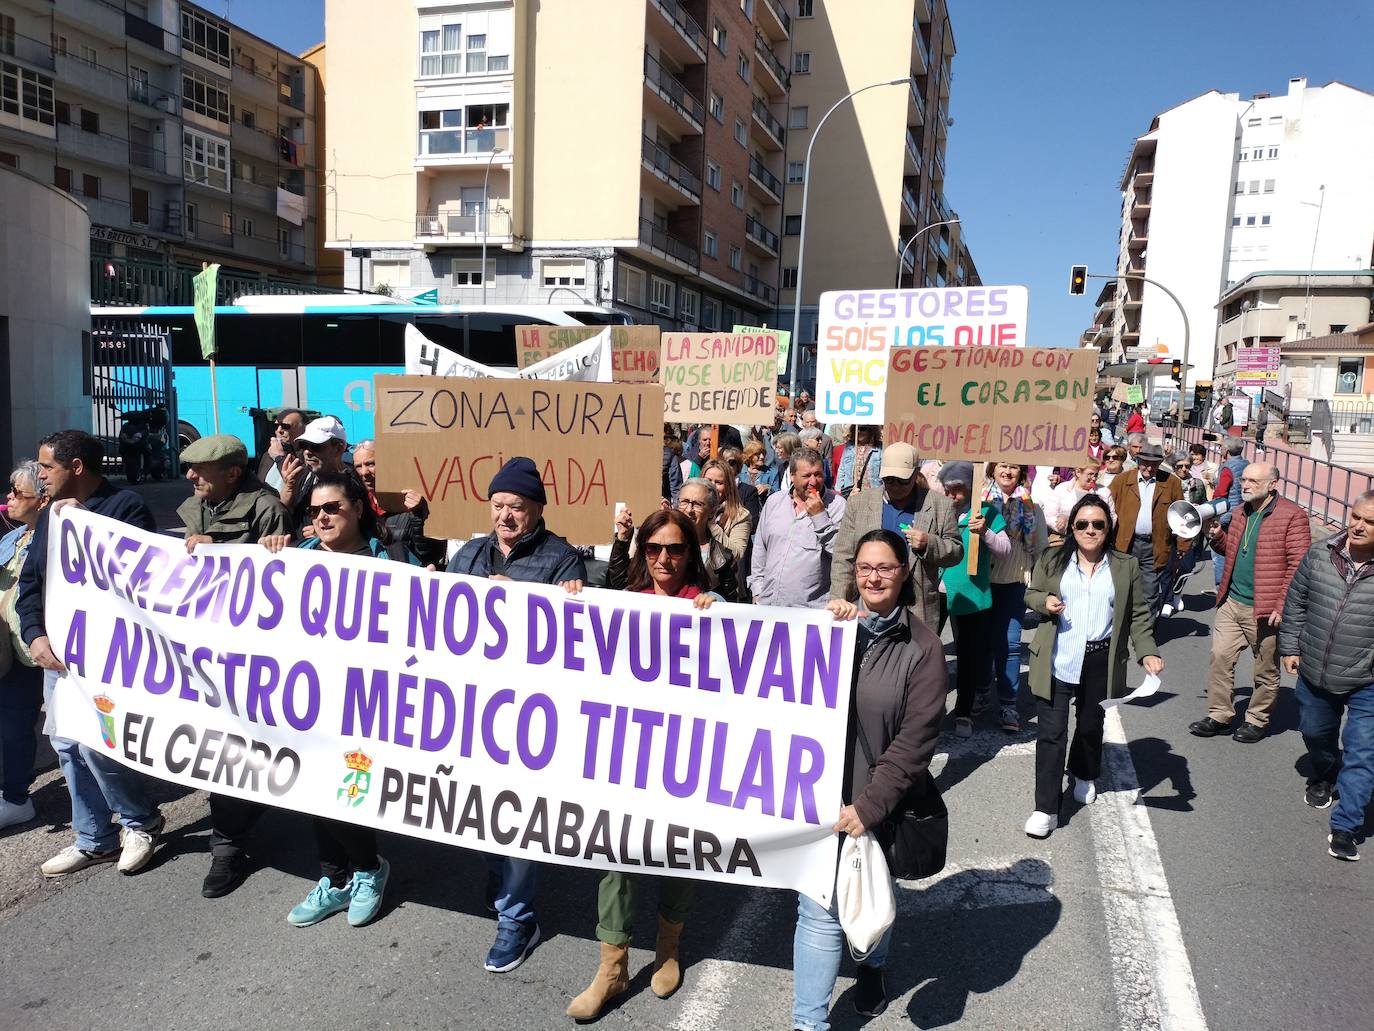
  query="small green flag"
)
[
  {"x": 784, "y": 342},
  {"x": 205, "y": 284}
]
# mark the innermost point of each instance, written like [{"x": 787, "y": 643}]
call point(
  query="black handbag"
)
[{"x": 915, "y": 837}]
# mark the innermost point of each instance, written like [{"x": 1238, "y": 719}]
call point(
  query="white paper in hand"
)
[{"x": 1147, "y": 687}]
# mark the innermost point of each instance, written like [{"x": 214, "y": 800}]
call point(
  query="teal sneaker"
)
[
  {"x": 368, "y": 886},
  {"x": 324, "y": 900}
]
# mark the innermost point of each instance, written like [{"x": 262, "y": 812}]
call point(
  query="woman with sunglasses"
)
[
  {"x": 21, "y": 686},
  {"x": 353, "y": 876},
  {"x": 896, "y": 705},
  {"x": 1112, "y": 465},
  {"x": 666, "y": 562},
  {"x": 1096, "y": 606}
]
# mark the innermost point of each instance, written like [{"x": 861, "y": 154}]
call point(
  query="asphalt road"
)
[{"x": 1209, "y": 902}]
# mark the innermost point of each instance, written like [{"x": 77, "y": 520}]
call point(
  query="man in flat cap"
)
[
  {"x": 519, "y": 547},
  {"x": 230, "y": 506},
  {"x": 1142, "y": 498}
]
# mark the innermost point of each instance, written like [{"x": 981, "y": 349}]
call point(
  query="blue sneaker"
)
[
  {"x": 324, "y": 900},
  {"x": 511, "y": 947},
  {"x": 368, "y": 886}
]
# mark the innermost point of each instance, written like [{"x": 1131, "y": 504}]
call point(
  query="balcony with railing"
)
[
  {"x": 756, "y": 287},
  {"x": 160, "y": 100},
  {"x": 151, "y": 159},
  {"x": 33, "y": 52},
  {"x": 147, "y": 33},
  {"x": 455, "y": 226},
  {"x": 914, "y": 165},
  {"x": 909, "y": 206},
  {"x": 770, "y": 131},
  {"x": 916, "y": 109},
  {"x": 443, "y": 144},
  {"x": 688, "y": 40},
  {"x": 776, "y": 22},
  {"x": 937, "y": 168},
  {"x": 259, "y": 195},
  {"x": 766, "y": 183},
  {"x": 673, "y": 97},
  {"x": 760, "y": 236},
  {"x": 665, "y": 168},
  {"x": 778, "y": 77},
  {"x": 656, "y": 238},
  {"x": 920, "y": 52}
]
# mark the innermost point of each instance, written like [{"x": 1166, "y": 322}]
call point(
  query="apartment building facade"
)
[
  {"x": 624, "y": 152},
  {"x": 878, "y": 174},
  {"x": 188, "y": 139},
  {"x": 1222, "y": 189}
]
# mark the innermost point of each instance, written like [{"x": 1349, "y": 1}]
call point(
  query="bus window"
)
[
  {"x": 243, "y": 340},
  {"x": 491, "y": 336},
  {"x": 444, "y": 330},
  {"x": 346, "y": 339}
]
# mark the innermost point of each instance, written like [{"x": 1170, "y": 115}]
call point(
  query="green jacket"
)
[
  {"x": 1130, "y": 602},
  {"x": 253, "y": 513}
]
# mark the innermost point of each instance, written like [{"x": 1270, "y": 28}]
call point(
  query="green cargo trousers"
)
[{"x": 615, "y": 904}]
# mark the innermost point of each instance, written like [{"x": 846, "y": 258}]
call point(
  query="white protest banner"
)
[
  {"x": 588, "y": 362},
  {"x": 634, "y": 349},
  {"x": 609, "y": 730},
  {"x": 426, "y": 358},
  {"x": 858, "y": 329}
]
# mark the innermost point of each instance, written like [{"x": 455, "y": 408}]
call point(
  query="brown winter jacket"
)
[
  {"x": 1285, "y": 534},
  {"x": 1126, "y": 497},
  {"x": 899, "y": 697}
]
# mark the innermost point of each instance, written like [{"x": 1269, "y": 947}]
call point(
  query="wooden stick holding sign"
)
[{"x": 975, "y": 505}]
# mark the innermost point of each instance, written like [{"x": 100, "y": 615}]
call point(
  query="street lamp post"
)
[
  {"x": 486, "y": 220},
  {"x": 901, "y": 257},
  {"x": 1183, "y": 387},
  {"x": 801, "y": 229}
]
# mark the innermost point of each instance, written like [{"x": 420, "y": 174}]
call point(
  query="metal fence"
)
[
  {"x": 130, "y": 370},
  {"x": 127, "y": 281}
]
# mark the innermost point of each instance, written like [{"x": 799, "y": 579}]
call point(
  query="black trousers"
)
[
  {"x": 1143, "y": 551},
  {"x": 974, "y": 654},
  {"x": 231, "y": 820},
  {"x": 344, "y": 848},
  {"x": 1052, "y": 720}
]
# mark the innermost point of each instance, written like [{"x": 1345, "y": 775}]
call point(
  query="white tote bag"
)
[{"x": 863, "y": 894}]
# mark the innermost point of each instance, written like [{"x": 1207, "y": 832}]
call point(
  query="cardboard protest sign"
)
[
  {"x": 977, "y": 404},
  {"x": 594, "y": 443},
  {"x": 634, "y": 349},
  {"x": 607, "y": 730},
  {"x": 859, "y": 328},
  {"x": 719, "y": 377}
]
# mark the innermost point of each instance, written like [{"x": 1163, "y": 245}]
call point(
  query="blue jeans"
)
[
  {"x": 1218, "y": 567},
  {"x": 515, "y": 898},
  {"x": 816, "y": 950},
  {"x": 1353, "y": 771},
  {"x": 21, "y": 696},
  {"x": 1004, "y": 627},
  {"x": 100, "y": 788}
]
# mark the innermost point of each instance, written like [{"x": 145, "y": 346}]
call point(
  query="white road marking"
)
[
  {"x": 713, "y": 979},
  {"x": 1151, "y": 973}
]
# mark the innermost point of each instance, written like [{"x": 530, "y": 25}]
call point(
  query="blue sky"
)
[{"x": 1047, "y": 98}]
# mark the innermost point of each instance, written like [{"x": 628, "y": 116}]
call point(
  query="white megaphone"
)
[{"x": 1186, "y": 519}]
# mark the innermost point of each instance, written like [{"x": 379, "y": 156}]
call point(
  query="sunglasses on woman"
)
[
  {"x": 652, "y": 550},
  {"x": 332, "y": 508},
  {"x": 1090, "y": 524}
]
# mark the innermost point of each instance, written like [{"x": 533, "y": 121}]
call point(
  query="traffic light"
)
[
  {"x": 1176, "y": 370},
  {"x": 1078, "y": 279}
]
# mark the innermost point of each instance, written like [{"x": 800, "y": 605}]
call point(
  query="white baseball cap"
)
[{"x": 322, "y": 431}]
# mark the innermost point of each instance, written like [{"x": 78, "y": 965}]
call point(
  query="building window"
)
[
  {"x": 283, "y": 242},
  {"x": 63, "y": 111},
  {"x": 1240, "y": 188},
  {"x": 796, "y": 171},
  {"x": 466, "y": 272},
  {"x": 248, "y": 118},
  {"x": 743, "y": 67},
  {"x": 205, "y": 159},
  {"x": 89, "y": 55},
  {"x": 735, "y": 257},
  {"x": 713, "y": 175},
  {"x": 1235, "y": 221},
  {"x": 226, "y": 223},
  {"x": 7, "y": 34},
  {"x": 498, "y": 63},
  {"x": 1338, "y": 327},
  {"x": 248, "y": 64},
  {"x": 741, "y": 134},
  {"x": 709, "y": 313},
  {"x": 1253, "y": 121},
  {"x": 661, "y": 297},
  {"x": 690, "y": 305},
  {"x": 747, "y": 6},
  {"x": 205, "y": 96},
  {"x": 806, "y": 8},
  {"x": 1348, "y": 375},
  {"x": 631, "y": 286},
  {"x": 62, "y": 178},
  {"x": 90, "y": 121},
  {"x": 1241, "y": 157},
  {"x": 246, "y": 227},
  {"x": 791, "y": 225},
  {"x": 718, "y": 37},
  {"x": 1264, "y": 219},
  {"x": 441, "y": 51},
  {"x": 477, "y": 55},
  {"x": 737, "y": 195},
  {"x": 1254, "y": 186},
  {"x": 711, "y": 245},
  {"x": 1273, "y": 152},
  {"x": 190, "y": 220},
  {"x": 789, "y": 278},
  {"x": 563, "y": 273},
  {"x": 90, "y": 186},
  {"x": 26, "y": 94},
  {"x": 717, "y": 108},
  {"x": 796, "y": 118},
  {"x": 204, "y": 36},
  {"x": 9, "y": 160},
  {"x": 1257, "y": 154},
  {"x": 1249, "y": 220},
  {"x": 59, "y": 43},
  {"x": 1276, "y": 119},
  {"x": 801, "y": 62}
]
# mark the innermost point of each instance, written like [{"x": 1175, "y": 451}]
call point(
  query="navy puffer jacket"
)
[{"x": 1327, "y": 617}]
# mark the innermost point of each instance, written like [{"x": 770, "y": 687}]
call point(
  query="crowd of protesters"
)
[{"x": 795, "y": 514}]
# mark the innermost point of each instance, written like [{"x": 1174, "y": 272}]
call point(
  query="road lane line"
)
[
  {"x": 1151, "y": 972},
  {"x": 712, "y": 982}
]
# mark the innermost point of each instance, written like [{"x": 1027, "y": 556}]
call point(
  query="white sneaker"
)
[
  {"x": 72, "y": 859},
  {"x": 963, "y": 726},
  {"x": 1041, "y": 825},
  {"x": 137, "y": 846},
  {"x": 1084, "y": 791},
  {"x": 12, "y": 814}
]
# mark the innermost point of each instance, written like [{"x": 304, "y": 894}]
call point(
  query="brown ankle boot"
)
[
  {"x": 667, "y": 973},
  {"x": 612, "y": 978}
]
